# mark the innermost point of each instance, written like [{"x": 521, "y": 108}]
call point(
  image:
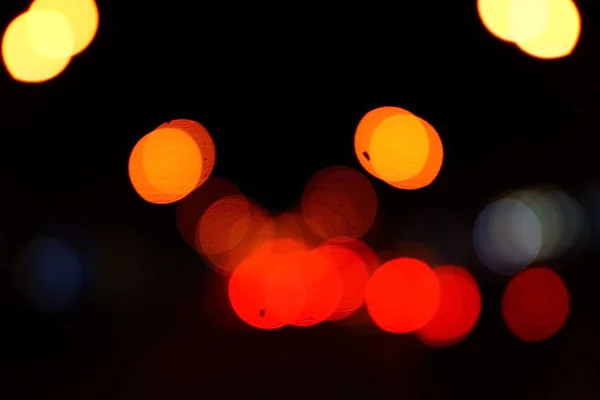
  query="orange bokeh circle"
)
[
  {"x": 165, "y": 166},
  {"x": 203, "y": 140},
  {"x": 367, "y": 127}
]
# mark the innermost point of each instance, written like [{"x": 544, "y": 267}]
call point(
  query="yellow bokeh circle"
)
[
  {"x": 23, "y": 61},
  {"x": 50, "y": 33},
  {"x": 83, "y": 16}
]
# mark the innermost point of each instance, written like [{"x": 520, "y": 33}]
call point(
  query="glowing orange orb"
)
[
  {"x": 165, "y": 166},
  {"x": 398, "y": 148}
]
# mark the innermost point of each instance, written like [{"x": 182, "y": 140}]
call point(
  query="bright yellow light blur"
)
[
  {"x": 527, "y": 19},
  {"x": 399, "y": 148},
  {"x": 494, "y": 16},
  {"x": 561, "y": 34},
  {"x": 50, "y": 33},
  {"x": 82, "y": 14},
  {"x": 514, "y": 20},
  {"x": 21, "y": 59}
]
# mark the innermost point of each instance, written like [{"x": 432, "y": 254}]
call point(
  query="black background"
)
[{"x": 281, "y": 88}]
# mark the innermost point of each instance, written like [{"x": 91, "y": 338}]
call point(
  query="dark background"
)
[{"x": 281, "y": 88}]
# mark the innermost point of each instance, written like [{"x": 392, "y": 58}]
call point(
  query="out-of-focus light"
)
[
  {"x": 398, "y": 147},
  {"x": 360, "y": 248},
  {"x": 256, "y": 297},
  {"x": 50, "y": 274},
  {"x": 535, "y": 304},
  {"x": 170, "y": 162},
  {"x": 291, "y": 225},
  {"x": 432, "y": 166},
  {"x": 339, "y": 201},
  {"x": 191, "y": 209},
  {"x": 203, "y": 140},
  {"x": 364, "y": 132},
  {"x": 354, "y": 275},
  {"x": 560, "y": 35},
  {"x": 402, "y": 295},
  {"x": 527, "y": 19},
  {"x": 27, "y": 55},
  {"x": 545, "y": 209},
  {"x": 224, "y": 224},
  {"x": 545, "y": 29},
  {"x": 284, "y": 282},
  {"x": 460, "y": 306},
  {"x": 494, "y": 16},
  {"x": 231, "y": 229},
  {"x": 507, "y": 236},
  {"x": 165, "y": 166},
  {"x": 323, "y": 286},
  {"x": 562, "y": 221},
  {"x": 82, "y": 15},
  {"x": 50, "y": 33},
  {"x": 358, "y": 318},
  {"x": 574, "y": 227},
  {"x": 514, "y": 20}
]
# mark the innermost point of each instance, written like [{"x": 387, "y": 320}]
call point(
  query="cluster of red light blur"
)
[{"x": 309, "y": 265}]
